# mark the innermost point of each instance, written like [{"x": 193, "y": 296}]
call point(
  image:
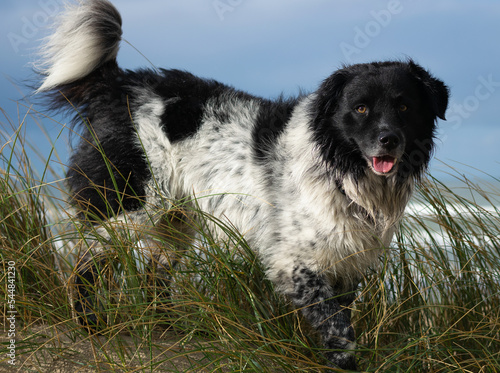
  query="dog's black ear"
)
[
  {"x": 436, "y": 91},
  {"x": 329, "y": 93}
]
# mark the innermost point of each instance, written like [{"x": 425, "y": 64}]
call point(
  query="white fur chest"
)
[{"x": 339, "y": 232}]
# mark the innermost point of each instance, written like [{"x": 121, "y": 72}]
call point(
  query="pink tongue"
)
[{"x": 383, "y": 164}]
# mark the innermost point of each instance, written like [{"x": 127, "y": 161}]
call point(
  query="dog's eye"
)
[
  {"x": 403, "y": 107},
  {"x": 362, "y": 109}
]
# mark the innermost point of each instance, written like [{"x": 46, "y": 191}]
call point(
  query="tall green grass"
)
[
  {"x": 433, "y": 305},
  {"x": 436, "y": 306}
]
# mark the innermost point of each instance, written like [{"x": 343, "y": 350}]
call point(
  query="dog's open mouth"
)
[{"x": 383, "y": 164}]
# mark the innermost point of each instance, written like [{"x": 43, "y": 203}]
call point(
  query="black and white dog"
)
[{"x": 317, "y": 183}]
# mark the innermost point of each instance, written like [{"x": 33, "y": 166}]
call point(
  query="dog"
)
[{"x": 317, "y": 183}]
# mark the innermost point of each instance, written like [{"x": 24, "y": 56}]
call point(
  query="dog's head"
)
[{"x": 379, "y": 116}]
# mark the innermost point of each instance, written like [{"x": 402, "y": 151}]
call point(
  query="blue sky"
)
[{"x": 281, "y": 46}]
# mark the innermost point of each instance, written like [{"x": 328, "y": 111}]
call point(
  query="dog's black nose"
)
[{"x": 389, "y": 140}]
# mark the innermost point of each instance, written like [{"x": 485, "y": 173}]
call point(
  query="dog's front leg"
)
[{"x": 328, "y": 313}]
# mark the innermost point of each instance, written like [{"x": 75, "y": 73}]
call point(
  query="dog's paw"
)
[{"x": 342, "y": 360}]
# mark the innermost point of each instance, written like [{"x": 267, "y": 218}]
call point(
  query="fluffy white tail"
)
[{"x": 86, "y": 36}]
